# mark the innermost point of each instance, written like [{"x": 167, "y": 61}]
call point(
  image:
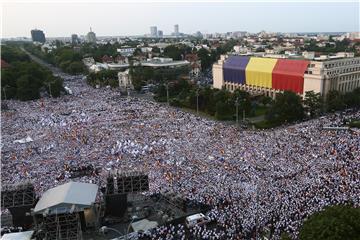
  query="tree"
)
[
  {"x": 55, "y": 85},
  {"x": 173, "y": 52},
  {"x": 286, "y": 108},
  {"x": 137, "y": 52},
  {"x": 334, "y": 101},
  {"x": 285, "y": 236},
  {"x": 265, "y": 100},
  {"x": 137, "y": 76},
  {"x": 333, "y": 223},
  {"x": 160, "y": 93},
  {"x": 223, "y": 111},
  {"x": 8, "y": 83},
  {"x": 155, "y": 50},
  {"x": 27, "y": 88},
  {"x": 205, "y": 58},
  {"x": 224, "y": 106},
  {"x": 75, "y": 67},
  {"x": 352, "y": 99},
  {"x": 313, "y": 103},
  {"x": 25, "y": 79}
]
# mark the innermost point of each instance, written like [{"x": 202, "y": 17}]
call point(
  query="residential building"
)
[
  {"x": 107, "y": 59},
  {"x": 38, "y": 36},
  {"x": 126, "y": 51},
  {"x": 47, "y": 48}
]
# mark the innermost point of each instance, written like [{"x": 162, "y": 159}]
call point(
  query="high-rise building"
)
[
  {"x": 153, "y": 31},
  {"x": 74, "y": 39},
  {"x": 91, "y": 37},
  {"x": 176, "y": 30},
  {"x": 198, "y": 34},
  {"x": 38, "y": 35},
  {"x": 160, "y": 34}
]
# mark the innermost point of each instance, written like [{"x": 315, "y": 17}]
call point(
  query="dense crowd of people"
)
[{"x": 253, "y": 180}]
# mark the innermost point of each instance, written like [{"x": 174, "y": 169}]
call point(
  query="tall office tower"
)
[
  {"x": 176, "y": 30},
  {"x": 160, "y": 34},
  {"x": 74, "y": 39},
  {"x": 38, "y": 36},
  {"x": 153, "y": 31},
  {"x": 91, "y": 37}
]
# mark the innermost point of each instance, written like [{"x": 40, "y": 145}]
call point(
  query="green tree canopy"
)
[
  {"x": 25, "y": 79},
  {"x": 286, "y": 108},
  {"x": 334, "y": 101},
  {"x": 173, "y": 52},
  {"x": 313, "y": 103},
  {"x": 333, "y": 223},
  {"x": 205, "y": 57}
]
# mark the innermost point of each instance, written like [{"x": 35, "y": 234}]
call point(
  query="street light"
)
[
  {"x": 237, "y": 110},
  {"x": 49, "y": 85},
  {"x": 197, "y": 101},
  {"x": 167, "y": 93},
  {"x": 128, "y": 229},
  {"x": 4, "y": 89}
]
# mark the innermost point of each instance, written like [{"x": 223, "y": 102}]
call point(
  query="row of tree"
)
[
  {"x": 141, "y": 76},
  {"x": 103, "y": 78},
  {"x": 330, "y": 47},
  {"x": 207, "y": 57},
  {"x": 286, "y": 108},
  {"x": 332, "y": 223},
  {"x": 65, "y": 57},
  {"x": 25, "y": 79},
  {"x": 289, "y": 107},
  {"x": 218, "y": 103}
]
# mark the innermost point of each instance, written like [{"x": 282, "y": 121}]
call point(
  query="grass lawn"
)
[
  {"x": 265, "y": 125},
  {"x": 260, "y": 110},
  {"x": 355, "y": 123}
]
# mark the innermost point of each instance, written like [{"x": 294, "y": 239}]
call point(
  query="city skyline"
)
[{"x": 129, "y": 19}]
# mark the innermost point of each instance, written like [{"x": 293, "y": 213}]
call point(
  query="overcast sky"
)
[{"x": 111, "y": 18}]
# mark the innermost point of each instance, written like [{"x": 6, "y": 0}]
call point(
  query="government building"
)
[{"x": 269, "y": 76}]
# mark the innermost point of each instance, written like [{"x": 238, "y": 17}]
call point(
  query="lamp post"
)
[
  {"x": 4, "y": 90},
  {"x": 167, "y": 93},
  {"x": 237, "y": 110},
  {"x": 49, "y": 85},
  {"x": 128, "y": 229},
  {"x": 197, "y": 101}
]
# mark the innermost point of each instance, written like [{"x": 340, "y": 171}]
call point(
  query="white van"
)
[{"x": 196, "y": 219}]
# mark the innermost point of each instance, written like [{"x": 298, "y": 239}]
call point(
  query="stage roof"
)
[
  {"x": 18, "y": 236},
  {"x": 71, "y": 196}
]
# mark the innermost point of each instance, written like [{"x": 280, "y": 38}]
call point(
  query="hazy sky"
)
[{"x": 112, "y": 18}]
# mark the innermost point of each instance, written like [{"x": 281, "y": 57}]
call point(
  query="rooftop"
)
[{"x": 64, "y": 197}]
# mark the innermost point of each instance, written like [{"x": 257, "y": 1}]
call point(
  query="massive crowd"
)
[{"x": 270, "y": 179}]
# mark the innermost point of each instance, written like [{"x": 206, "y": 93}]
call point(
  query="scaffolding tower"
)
[
  {"x": 126, "y": 182},
  {"x": 64, "y": 226},
  {"x": 18, "y": 195}
]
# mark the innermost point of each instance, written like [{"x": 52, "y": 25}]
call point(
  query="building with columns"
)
[{"x": 269, "y": 76}]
